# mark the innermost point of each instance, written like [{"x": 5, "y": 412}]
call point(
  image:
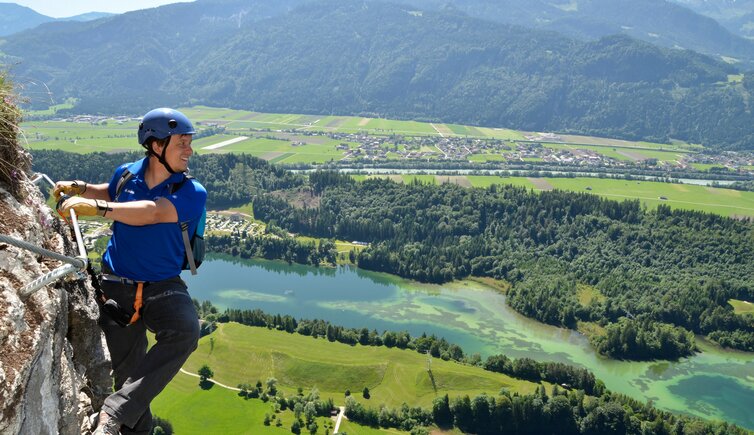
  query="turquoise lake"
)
[{"x": 714, "y": 384}]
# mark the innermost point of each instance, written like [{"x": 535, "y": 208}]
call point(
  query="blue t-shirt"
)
[{"x": 152, "y": 252}]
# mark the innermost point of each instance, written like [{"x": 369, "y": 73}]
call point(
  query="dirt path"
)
[
  {"x": 340, "y": 417},
  {"x": 211, "y": 380}
]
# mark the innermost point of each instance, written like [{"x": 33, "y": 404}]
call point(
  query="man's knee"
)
[{"x": 183, "y": 333}]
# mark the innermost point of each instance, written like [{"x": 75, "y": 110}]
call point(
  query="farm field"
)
[
  {"x": 725, "y": 202},
  {"x": 487, "y": 158},
  {"x": 706, "y": 166},
  {"x": 624, "y": 153},
  {"x": 84, "y": 137},
  {"x": 246, "y": 354},
  {"x": 588, "y": 140},
  {"x": 275, "y": 150}
]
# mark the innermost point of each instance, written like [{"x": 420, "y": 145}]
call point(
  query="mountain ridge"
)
[
  {"x": 663, "y": 23},
  {"x": 16, "y": 18},
  {"x": 387, "y": 60}
]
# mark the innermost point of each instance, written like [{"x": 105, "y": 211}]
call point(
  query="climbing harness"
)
[{"x": 117, "y": 313}]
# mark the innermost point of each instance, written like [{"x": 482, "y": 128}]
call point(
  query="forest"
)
[
  {"x": 664, "y": 273},
  {"x": 557, "y": 412}
]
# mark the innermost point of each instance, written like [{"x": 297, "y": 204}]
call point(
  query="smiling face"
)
[{"x": 179, "y": 151}]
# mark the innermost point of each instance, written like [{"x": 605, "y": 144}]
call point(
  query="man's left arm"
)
[{"x": 136, "y": 213}]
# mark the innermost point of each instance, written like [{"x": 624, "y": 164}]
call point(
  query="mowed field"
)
[
  {"x": 243, "y": 354},
  {"x": 79, "y": 137},
  {"x": 726, "y": 202},
  {"x": 292, "y": 145}
]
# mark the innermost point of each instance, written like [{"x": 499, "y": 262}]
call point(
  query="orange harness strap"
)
[{"x": 137, "y": 303}]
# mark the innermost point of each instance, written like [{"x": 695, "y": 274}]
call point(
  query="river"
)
[
  {"x": 521, "y": 172},
  {"x": 714, "y": 384}
]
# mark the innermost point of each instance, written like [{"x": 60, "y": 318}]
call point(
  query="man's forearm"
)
[
  {"x": 143, "y": 212},
  {"x": 97, "y": 191}
]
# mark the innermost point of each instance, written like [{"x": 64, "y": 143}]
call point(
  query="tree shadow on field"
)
[{"x": 206, "y": 384}]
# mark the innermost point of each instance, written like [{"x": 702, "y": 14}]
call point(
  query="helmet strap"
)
[{"x": 161, "y": 158}]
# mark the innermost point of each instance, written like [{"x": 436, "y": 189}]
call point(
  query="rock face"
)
[{"x": 54, "y": 367}]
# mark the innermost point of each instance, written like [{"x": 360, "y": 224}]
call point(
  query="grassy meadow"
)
[
  {"x": 242, "y": 354},
  {"x": 192, "y": 410},
  {"x": 742, "y": 307},
  {"x": 726, "y": 202}
]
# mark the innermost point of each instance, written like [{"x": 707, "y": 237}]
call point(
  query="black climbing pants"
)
[{"x": 140, "y": 375}]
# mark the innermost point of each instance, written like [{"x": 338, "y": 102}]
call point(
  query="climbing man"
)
[{"x": 141, "y": 289}]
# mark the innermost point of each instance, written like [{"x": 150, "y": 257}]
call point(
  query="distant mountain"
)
[
  {"x": 89, "y": 16},
  {"x": 657, "y": 21},
  {"x": 735, "y": 15},
  {"x": 719, "y": 9},
  {"x": 15, "y": 18},
  {"x": 356, "y": 57}
]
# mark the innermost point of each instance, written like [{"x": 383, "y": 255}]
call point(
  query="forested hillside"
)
[
  {"x": 657, "y": 21},
  {"x": 381, "y": 59},
  {"x": 736, "y": 15},
  {"x": 661, "y": 272}
]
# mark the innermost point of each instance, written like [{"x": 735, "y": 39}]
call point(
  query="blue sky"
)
[{"x": 67, "y": 8}]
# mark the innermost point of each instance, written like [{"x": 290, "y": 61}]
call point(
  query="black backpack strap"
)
[
  {"x": 187, "y": 245},
  {"x": 174, "y": 187},
  {"x": 124, "y": 177},
  {"x": 184, "y": 228}
]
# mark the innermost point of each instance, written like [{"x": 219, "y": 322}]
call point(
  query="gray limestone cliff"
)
[{"x": 54, "y": 367}]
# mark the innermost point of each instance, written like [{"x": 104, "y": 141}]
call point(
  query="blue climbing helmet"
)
[
  {"x": 160, "y": 124},
  {"x": 163, "y": 122}
]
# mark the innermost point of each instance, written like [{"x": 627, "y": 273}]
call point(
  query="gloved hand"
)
[
  {"x": 83, "y": 206},
  {"x": 70, "y": 188}
]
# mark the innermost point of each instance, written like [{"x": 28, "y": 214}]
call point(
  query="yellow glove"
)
[
  {"x": 69, "y": 188},
  {"x": 83, "y": 206}
]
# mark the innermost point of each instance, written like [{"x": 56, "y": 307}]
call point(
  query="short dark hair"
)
[{"x": 151, "y": 141}]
